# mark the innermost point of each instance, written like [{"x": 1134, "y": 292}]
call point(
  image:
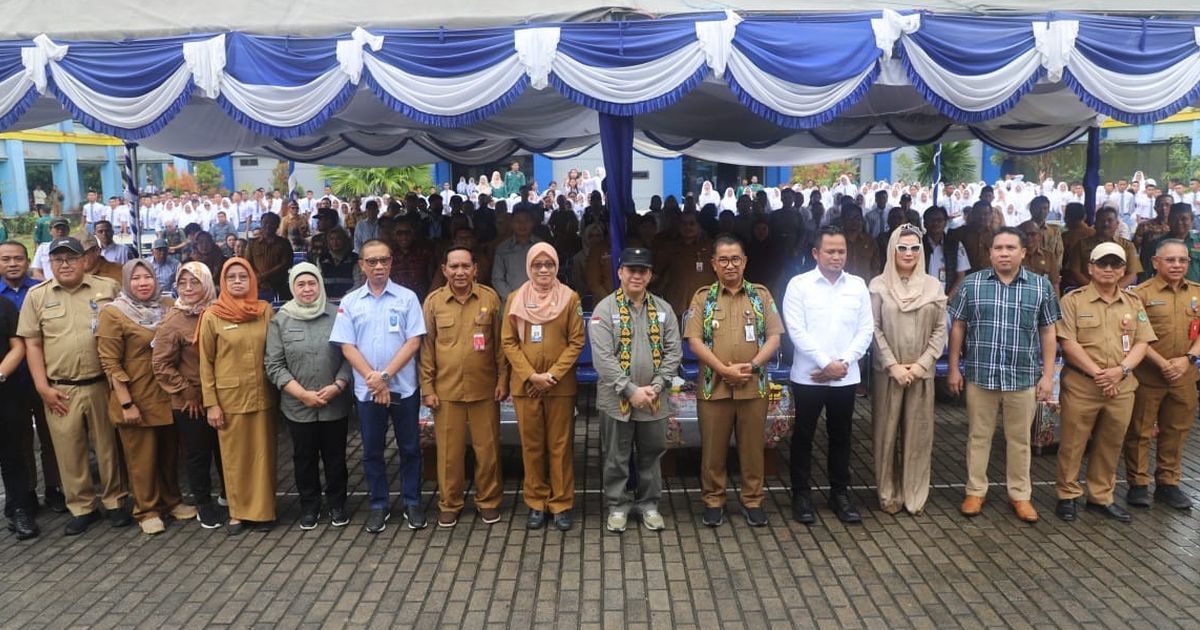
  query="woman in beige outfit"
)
[{"x": 910, "y": 334}]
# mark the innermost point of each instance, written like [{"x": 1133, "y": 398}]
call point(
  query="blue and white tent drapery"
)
[{"x": 873, "y": 79}]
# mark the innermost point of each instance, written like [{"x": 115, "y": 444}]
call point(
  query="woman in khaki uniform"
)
[
  {"x": 910, "y": 334},
  {"x": 138, "y": 407},
  {"x": 240, "y": 404},
  {"x": 542, "y": 336}
]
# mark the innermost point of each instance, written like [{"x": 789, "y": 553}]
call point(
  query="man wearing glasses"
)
[
  {"x": 379, "y": 327},
  {"x": 733, "y": 327},
  {"x": 58, "y": 323}
]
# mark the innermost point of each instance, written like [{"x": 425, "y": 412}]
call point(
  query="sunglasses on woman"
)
[{"x": 904, "y": 249}]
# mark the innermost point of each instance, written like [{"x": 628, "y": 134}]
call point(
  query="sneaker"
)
[
  {"x": 1138, "y": 496},
  {"x": 447, "y": 519},
  {"x": 23, "y": 524},
  {"x": 377, "y": 521},
  {"x": 308, "y": 520},
  {"x": 209, "y": 516},
  {"x": 183, "y": 512},
  {"x": 755, "y": 516},
  {"x": 120, "y": 517},
  {"x": 56, "y": 501},
  {"x": 489, "y": 515},
  {"x": 338, "y": 517},
  {"x": 562, "y": 521},
  {"x": 536, "y": 519},
  {"x": 153, "y": 526},
  {"x": 653, "y": 521},
  {"x": 1172, "y": 496},
  {"x": 415, "y": 517},
  {"x": 616, "y": 522},
  {"x": 713, "y": 516},
  {"x": 79, "y": 524},
  {"x": 802, "y": 508}
]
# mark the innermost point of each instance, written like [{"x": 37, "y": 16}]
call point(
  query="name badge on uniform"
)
[
  {"x": 478, "y": 342},
  {"x": 94, "y": 322},
  {"x": 1126, "y": 338},
  {"x": 699, "y": 267},
  {"x": 750, "y": 332},
  {"x": 393, "y": 321},
  {"x": 229, "y": 327},
  {"x": 942, "y": 274},
  {"x": 535, "y": 333}
]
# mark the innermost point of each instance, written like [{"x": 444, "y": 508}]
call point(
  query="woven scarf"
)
[
  {"x": 760, "y": 330},
  {"x": 625, "y": 339}
]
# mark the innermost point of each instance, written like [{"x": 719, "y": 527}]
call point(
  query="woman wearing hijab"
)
[
  {"x": 729, "y": 201},
  {"x": 483, "y": 187},
  {"x": 910, "y": 334},
  {"x": 240, "y": 404},
  {"x": 176, "y": 363},
  {"x": 708, "y": 195},
  {"x": 542, "y": 336},
  {"x": 499, "y": 191},
  {"x": 137, "y": 405},
  {"x": 312, "y": 375}
]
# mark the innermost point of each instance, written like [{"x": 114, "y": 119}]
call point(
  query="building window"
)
[{"x": 247, "y": 161}]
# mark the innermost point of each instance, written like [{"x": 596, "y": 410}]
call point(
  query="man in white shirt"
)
[
  {"x": 308, "y": 205},
  {"x": 94, "y": 211},
  {"x": 876, "y": 215},
  {"x": 121, "y": 217},
  {"x": 112, "y": 252},
  {"x": 1143, "y": 203},
  {"x": 828, "y": 317}
]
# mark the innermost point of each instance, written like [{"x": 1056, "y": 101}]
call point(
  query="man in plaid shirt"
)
[{"x": 1006, "y": 314}]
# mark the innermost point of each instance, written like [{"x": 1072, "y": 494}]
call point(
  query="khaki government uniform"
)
[
  {"x": 1074, "y": 235},
  {"x": 1086, "y": 412},
  {"x": 730, "y": 409},
  {"x": 1052, "y": 243},
  {"x": 1171, "y": 405},
  {"x": 1079, "y": 255},
  {"x": 547, "y": 422},
  {"x": 862, "y": 257},
  {"x": 233, "y": 376},
  {"x": 110, "y": 270},
  {"x": 1042, "y": 262},
  {"x": 680, "y": 269},
  {"x": 151, "y": 448},
  {"x": 65, "y": 321},
  {"x": 464, "y": 380},
  {"x": 977, "y": 243}
]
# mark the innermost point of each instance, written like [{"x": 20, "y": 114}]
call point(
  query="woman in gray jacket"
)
[{"x": 312, "y": 376}]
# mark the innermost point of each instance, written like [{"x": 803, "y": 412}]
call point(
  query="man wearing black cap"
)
[
  {"x": 58, "y": 322},
  {"x": 40, "y": 269},
  {"x": 636, "y": 351}
]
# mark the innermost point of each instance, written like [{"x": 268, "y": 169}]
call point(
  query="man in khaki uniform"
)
[
  {"x": 464, "y": 376},
  {"x": 1039, "y": 258},
  {"x": 1104, "y": 334},
  {"x": 1166, "y": 392},
  {"x": 58, "y": 321},
  {"x": 1076, "y": 263},
  {"x": 733, "y": 327},
  {"x": 684, "y": 266},
  {"x": 976, "y": 235}
]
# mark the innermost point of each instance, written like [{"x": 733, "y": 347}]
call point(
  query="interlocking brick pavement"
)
[{"x": 935, "y": 570}]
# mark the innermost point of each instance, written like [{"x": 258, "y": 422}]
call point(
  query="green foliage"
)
[
  {"x": 826, "y": 174},
  {"x": 905, "y": 168},
  {"x": 208, "y": 178},
  {"x": 20, "y": 224},
  {"x": 1181, "y": 165},
  {"x": 957, "y": 163},
  {"x": 394, "y": 180}
]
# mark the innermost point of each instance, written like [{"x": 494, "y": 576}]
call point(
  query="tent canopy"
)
[{"x": 752, "y": 88}]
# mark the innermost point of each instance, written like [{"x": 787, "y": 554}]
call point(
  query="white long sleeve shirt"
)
[{"x": 827, "y": 322}]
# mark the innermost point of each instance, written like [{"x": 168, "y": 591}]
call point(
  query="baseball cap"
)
[
  {"x": 1108, "y": 249},
  {"x": 88, "y": 241},
  {"x": 160, "y": 243},
  {"x": 60, "y": 221},
  {"x": 636, "y": 257},
  {"x": 67, "y": 243}
]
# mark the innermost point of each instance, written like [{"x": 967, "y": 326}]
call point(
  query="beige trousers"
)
[
  {"x": 904, "y": 421},
  {"x": 1018, "y": 407}
]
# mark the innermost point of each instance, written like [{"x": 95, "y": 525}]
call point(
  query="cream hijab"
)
[{"x": 918, "y": 289}]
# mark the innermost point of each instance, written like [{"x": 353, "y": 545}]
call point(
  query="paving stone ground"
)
[{"x": 936, "y": 570}]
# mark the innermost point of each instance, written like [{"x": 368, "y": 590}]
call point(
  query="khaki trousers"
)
[
  {"x": 248, "y": 456},
  {"x": 87, "y": 414},
  {"x": 903, "y": 422},
  {"x": 1174, "y": 409},
  {"x": 547, "y": 427},
  {"x": 718, "y": 420},
  {"x": 152, "y": 457},
  {"x": 451, "y": 422},
  {"x": 982, "y": 407},
  {"x": 1087, "y": 413}
]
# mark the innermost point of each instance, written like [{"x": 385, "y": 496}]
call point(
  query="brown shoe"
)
[
  {"x": 447, "y": 519},
  {"x": 971, "y": 506},
  {"x": 1025, "y": 511},
  {"x": 489, "y": 515}
]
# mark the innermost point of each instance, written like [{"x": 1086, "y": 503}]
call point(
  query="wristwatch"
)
[
  {"x": 385, "y": 377},
  {"x": 127, "y": 405},
  {"x": 1125, "y": 370},
  {"x": 3, "y": 377},
  {"x": 1190, "y": 357}
]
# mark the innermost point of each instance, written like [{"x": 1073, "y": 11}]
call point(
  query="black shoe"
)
[
  {"x": 308, "y": 520},
  {"x": 119, "y": 517},
  {"x": 23, "y": 525},
  {"x": 79, "y": 524},
  {"x": 236, "y": 529},
  {"x": 713, "y": 516},
  {"x": 755, "y": 516},
  {"x": 338, "y": 517},
  {"x": 262, "y": 526},
  {"x": 562, "y": 521},
  {"x": 1138, "y": 496},
  {"x": 377, "y": 521},
  {"x": 844, "y": 508},
  {"x": 1065, "y": 509},
  {"x": 56, "y": 501},
  {"x": 1172, "y": 496},
  {"x": 536, "y": 520},
  {"x": 415, "y": 517},
  {"x": 209, "y": 515},
  {"x": 802, "y": 509},
  {"x": 1112, "y": 510}
]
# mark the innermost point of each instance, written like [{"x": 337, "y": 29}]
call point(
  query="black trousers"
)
[
  {"x": 314, "y": 444},
  {"x": 203, "y": 451},
  {"x": 838, "y": 404},
  {"x": 12, "y": 457}
]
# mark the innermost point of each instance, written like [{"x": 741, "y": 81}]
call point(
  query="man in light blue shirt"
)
[{"x": 380, "y": 326}]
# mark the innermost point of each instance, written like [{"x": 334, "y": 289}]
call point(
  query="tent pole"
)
[
  {"x": 616, "y": 142},
  {"x": 129, "y": 173},
  {"x": 1091, "y": 174}
]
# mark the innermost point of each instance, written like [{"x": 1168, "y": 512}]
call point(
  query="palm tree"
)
[
  {"x": 957, "y": 163},
  {"x": 393, "y": 180}
]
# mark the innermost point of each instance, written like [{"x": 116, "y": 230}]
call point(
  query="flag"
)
[
  {"x": 291, "y": 180},
  {"x": 937, "y": 172}
]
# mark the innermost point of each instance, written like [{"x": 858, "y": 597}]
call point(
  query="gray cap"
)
[{"x": 160, "y": 243}]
